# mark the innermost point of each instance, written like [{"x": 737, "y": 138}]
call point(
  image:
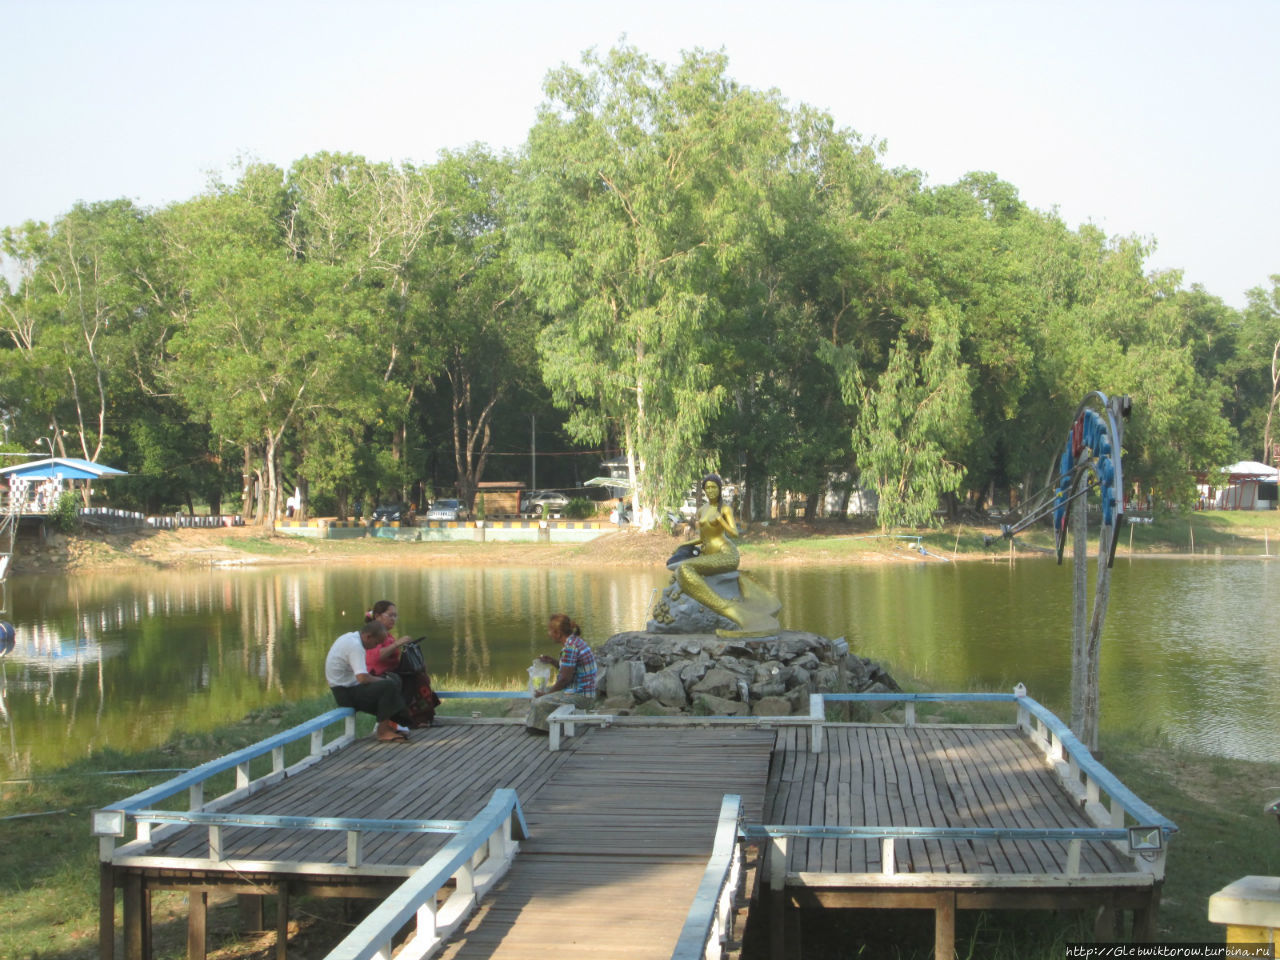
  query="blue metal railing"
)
[{"x": 492, "y": 833}]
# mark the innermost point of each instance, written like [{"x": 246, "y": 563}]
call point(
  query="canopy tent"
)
[{"x": 62, "y": 468}]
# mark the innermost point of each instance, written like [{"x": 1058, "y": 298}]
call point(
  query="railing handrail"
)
[
  {"x": 419, "y": 891},
  {"x": 204, "y": 771},
  {"x": 865, "y": 832},
  {"x": 270, "y": 822},
  {"x": 1137, "y": 808},
  {"x": 708, "y": 901},
  {"x": 1134, "y": 806}
]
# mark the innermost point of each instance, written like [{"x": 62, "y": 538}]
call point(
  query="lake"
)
[{"x": 1189, "y": 650}]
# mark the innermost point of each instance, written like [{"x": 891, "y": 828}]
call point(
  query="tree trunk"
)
[{"x": 246, "y": 478}]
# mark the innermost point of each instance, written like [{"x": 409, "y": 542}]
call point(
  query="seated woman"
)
[
  {"x": 575, "y": 680},
  {"x": 400, "y": 656},
  {"x": 754, "y": 610}
]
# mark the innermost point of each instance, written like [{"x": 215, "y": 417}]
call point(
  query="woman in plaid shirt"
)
[{"x": 576, "y": 681}]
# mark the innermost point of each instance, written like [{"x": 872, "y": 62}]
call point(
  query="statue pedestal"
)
[{"x": 677, "y": 612}]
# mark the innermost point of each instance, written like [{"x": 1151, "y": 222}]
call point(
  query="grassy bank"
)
[
  {"x": 790, "y": 541},
  {"x": 49, "y": 869}
]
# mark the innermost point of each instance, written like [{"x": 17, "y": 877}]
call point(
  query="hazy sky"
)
[{"x": 1148, "y": 118}]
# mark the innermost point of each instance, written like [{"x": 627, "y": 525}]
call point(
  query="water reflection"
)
[{"x": 107, "y": 661}]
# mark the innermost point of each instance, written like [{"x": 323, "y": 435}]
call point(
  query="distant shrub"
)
[
  {"x": 65, "y": 513},
  {"x": 580, "y": 508}
]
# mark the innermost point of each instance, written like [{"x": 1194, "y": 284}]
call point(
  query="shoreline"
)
[{"x": 820, "y": 544}]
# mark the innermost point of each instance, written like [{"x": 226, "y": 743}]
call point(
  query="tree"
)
[
  {"x": 267, "y": 338},
  {"x": 1260, "y": 337},
  {"x": 909, "y": 417},
  {"x": 68, "y": 321},
  {"x": 643, "y": 187}
]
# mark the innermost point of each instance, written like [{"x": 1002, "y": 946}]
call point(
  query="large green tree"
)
[{"x": 644, "y": 186}]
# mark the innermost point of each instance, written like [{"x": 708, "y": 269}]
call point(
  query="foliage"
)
[
  {"x": 676, "y": 269},
  {"x": 580, "y": 508},
  {"x": 65, "y": 512}
]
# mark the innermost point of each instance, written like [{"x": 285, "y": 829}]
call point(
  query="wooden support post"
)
[
  {"x": 197, "y": 923},
  {"x": 282, "y": 922},
  {"x": 777, "y": 887},
  {"x": 134, "y": 935},
  {"x": 251, "y": 911},
  {"x": 106, "y": 913},
  {"x": 146, "y": 920},
  {"x": 1144, "y": 918},
  {"x": 944, "y": 926},
  {"x": 1106, "y": 923}
]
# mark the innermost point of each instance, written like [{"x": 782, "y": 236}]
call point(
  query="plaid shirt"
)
[{"x": 578, "y": 656}]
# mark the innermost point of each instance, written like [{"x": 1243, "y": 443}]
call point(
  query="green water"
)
[{"x": 1189, "y": 649}]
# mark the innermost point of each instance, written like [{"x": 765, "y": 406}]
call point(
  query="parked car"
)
[
  {"x": 394, "y": 511},
  {"x": 544, "y": 502},
  {"x": 447, "y": 510}
]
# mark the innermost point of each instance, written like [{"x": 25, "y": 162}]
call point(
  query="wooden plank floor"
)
[
  {"x": 447, "y": 772},
  {"x": 925, "y": 776},
  {"x": 620, "y": 840}
]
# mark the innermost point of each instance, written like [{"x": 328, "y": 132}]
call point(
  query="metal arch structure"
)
[{"x": 1090, "y": 460}]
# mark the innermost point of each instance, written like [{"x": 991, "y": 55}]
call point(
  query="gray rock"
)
[
  {"x": 827, "y": 680},
  {"x": 734, "y": 665},
  {"x": 653, "y": 708},
  {"x": 694, "y": 670},
  {"x": 772, "y": 707},
  {"x": 717, "y": 683},
  {"x": 798, "y": 697},
  {"x": 666, "y": 687},
  {"x": 623, "y": 677},
  {"x": 766, "y": 689},
  {"x": 734, "y": 670},
  {"x": 706, "y": 705},
  {"x": 767, "y": 670},
  {"x": 806, "y": 660}
]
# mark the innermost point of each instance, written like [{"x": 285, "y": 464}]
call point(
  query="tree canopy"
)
[{"x": 674, "y": 269}]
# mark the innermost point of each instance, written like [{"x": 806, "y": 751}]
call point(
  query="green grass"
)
[{"x": 264, "y": 546}]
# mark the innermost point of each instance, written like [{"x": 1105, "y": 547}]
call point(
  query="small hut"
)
[{"x": 34, "y": 488}]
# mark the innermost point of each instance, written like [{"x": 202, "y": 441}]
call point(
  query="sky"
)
[{"x": 1154, "y": 119}]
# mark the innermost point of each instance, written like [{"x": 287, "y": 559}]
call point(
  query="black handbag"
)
[{"x": 411, "y": 656}]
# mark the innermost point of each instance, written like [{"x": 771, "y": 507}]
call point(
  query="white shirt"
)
[{"x": 345, "y": 661}]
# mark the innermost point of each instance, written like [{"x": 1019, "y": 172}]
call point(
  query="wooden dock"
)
[
  {"x": 617, "y": 825},
  {"x": 991, "y": 798}
]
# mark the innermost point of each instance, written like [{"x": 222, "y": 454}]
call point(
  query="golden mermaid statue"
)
[{"x": 755, "y": 610}]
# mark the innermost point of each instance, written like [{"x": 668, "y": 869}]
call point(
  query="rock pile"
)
[{"x": 670, "y": 674}]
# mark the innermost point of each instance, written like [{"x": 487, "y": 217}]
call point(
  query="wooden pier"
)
[{"x": 616, "y": 818}]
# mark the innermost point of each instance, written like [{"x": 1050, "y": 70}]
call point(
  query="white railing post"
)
[
  {"x": 317, "y": 741},
  {"x": 426, "y": 927},
  {"x": 242, "y": 775},
  {"x": 353, "y": 848},
  {"x": 817, "y": 718},
  {"x": 1073, "y": 858},
  {"x": 466, "y": 881},
  {"x": 215, "y": 842},
  {"x": 277, "y": 760},
  {"x": 888, "y": 865},
  {"x": 910, "y": 713},
  {"x": 195, "y": 796},
  {"x": 777, "y": 864}
]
